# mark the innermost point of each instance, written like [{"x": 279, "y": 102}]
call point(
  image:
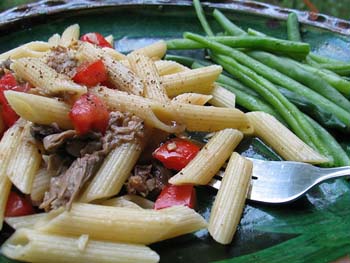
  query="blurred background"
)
[{"x": 338, "y": 8}]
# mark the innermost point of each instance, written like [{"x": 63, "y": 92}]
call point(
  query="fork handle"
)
[{"x": 332, "y": 173}]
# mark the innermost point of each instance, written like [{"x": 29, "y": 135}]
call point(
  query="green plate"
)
[{"x": 314, "y": 228}]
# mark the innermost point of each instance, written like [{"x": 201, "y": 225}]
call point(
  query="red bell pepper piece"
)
[
  {"x": 9, "y": 82},
  {"x": 18, "y": 205},
  {"x": 176, "y": 195},
  {"x": 176, "y": 153},
  {"x": 91, "y": 74},
  {"x": 89, "y": 113},
  {"x": 95, "y": 38}
]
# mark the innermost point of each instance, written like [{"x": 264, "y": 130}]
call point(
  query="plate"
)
[{"x": 285, "y": 231}]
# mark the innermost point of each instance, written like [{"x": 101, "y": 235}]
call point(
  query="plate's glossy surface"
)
[{"x": 262, "y": 226}]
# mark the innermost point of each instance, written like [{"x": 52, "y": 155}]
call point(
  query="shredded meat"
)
[
  {"x": 148, "y": 180},
  {"x": 123, "y": 127},
  {"x": 39, "y": 132},
  {"x": 62, "y": 60}
]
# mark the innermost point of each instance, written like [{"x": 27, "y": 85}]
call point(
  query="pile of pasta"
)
[{"x": 100, "y": 227}]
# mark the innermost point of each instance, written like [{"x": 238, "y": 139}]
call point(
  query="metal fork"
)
[{"x": 284, "y": 181}]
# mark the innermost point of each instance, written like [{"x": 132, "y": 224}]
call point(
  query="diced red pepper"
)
[
  {"x": 18, "y": 205},
  {"x": 91, "y": 74},
  {"x": 95, "y": 38},
  {"x": 89, "y": 113},
  {"x": 176, "y": 153},
  {"x": 9, "y": 82},
  {"x": 172, "y": 195}
]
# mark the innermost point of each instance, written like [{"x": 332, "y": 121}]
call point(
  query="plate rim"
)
[{"x": 15, "y": 15}]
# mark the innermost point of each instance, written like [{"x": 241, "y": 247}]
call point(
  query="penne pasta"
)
[
  {"x": 70, "y": 34},
  {"x": 29, "y": 221},
  {"x": 167, "y": 67},
  {"x": 196, "y": 80},
  {"x": 54, "y": 40},
  {"x": 137, "y": 201},
  {"x": 8, "y": 145},
  {"x": 113, "y": 173},
  {"x": 31, "y": 49},
  {"x": 118, "y": 74},
  {"x": 110, "y": 40},
  {"x": 25, "y": 162},
  {"x": 38, "y": 109},
  {"x": 122, "y": 224},
  {"x": 114, "y": 54},
  {"x": 282, "y": 140},
  {"x": 41, "y": 184},
  {"x": 120, "y": 201},
  {"x": 45, "y": 79},
  {"x": 33, "y": 246},
  {"x": 192, "y": 98},
  {"x": 222, "y": 97},
  {"x": 229, "y": 202},
  {"x": 154, "y": 51},
  {"x": 202, "y": 168},
  {"x": 147, "y": 71}
]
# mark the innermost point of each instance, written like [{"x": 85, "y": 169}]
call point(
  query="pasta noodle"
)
[
  {"x": 229, "y": 202},
  {"x": 167, "y": 67},
  {"x": 123, "y": 224},
  {"x": 139, "y": 201},
  {"x": 192, "y": 98},
  {"x": 33, "y": 246},
  {"x": 41, "y": 184},
  {"x": 70, "y": 34},
  {"x": 154, "y": 51},
  {"x": 25, "y": 162},
  {"x": 31, "y": 49},
  {"x": 29, "y": 221},
  {"x": 222, "y": 97},
  {"x": 282, "y": 140},
  {"x": 46, "y": 80},
  {"x": 209, "y": 160}
]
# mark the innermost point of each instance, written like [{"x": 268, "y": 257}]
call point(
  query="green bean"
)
[
  {"x": 229, "y": 27},
  {"x": 270, "y": 93},
  {"x": 262, "y": 43},
  {"x": 342, "y": 69},
  {"x": 186, "y": 61},
  {"x": 303, "y": 76},
  {"x": 324, "y": 60},
  {"x": 293, "y": 27},
  {"x": 256, "y": 33},
  {"x": 201, "y": 18},
  {"x": 342, "y": 85},
  {"x": 339, "y": 155},
  {"x": 275, "y": 77}
]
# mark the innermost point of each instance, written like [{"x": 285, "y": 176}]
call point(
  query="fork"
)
[{"x": 284, "y": 181}]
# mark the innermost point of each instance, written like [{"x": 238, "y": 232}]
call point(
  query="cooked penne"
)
[
  {"x": 204, "y": 118},
  {"x": 41, "y": 184},
  {"x": 70, "y": 34},
  {"x": 222, "y": 97},
  {"x": 196, "y": 80},
  {"x": 192, "y": 98},
  {"x": 122, "y": 101},
  {"x": 114, "y": 54},
  {"x": 154, "y": 51},
  {"x": 166, "y": 67},
  {"x": 33, "y": 246},
  {"x": 123, "y": 224},
  {"x": 120, "y": 201},
  {"x": 110, "y": 40},
  {"x": 38, "y": 109},
  {"x": 209, "y": 160},
  {"x": 113, "y": 173},
  {"x": 54, "y": 40},
  {"x": 8, "y": 145},
  {"x": 229, "y": 202},
  {"x": 45, "y": 79},
  {"x": 31, "y": 49},
  {"x": 25, "y": 162},
  {"x": 282, "y": 140},
  {"x": 118, "y": 74},
  {"x": 145, "y": 68},
  {"x": 29, "y": 221}
]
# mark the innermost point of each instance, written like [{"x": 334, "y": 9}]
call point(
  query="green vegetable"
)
[
  {"x": 262, "y": 43},
  {"x": 293, "y": 27},
  {"x": 256, "y": 33},
  {"x": 270, "y": 93},
  {"x": 186, "y": 61},
  {"x": 303, "y": 76},
  {"x": 275, "y": 77},
  {"x": 342, "y": 69},
  {"x": 201, "y": 17},
  {"x": 229, "y": 27}
]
